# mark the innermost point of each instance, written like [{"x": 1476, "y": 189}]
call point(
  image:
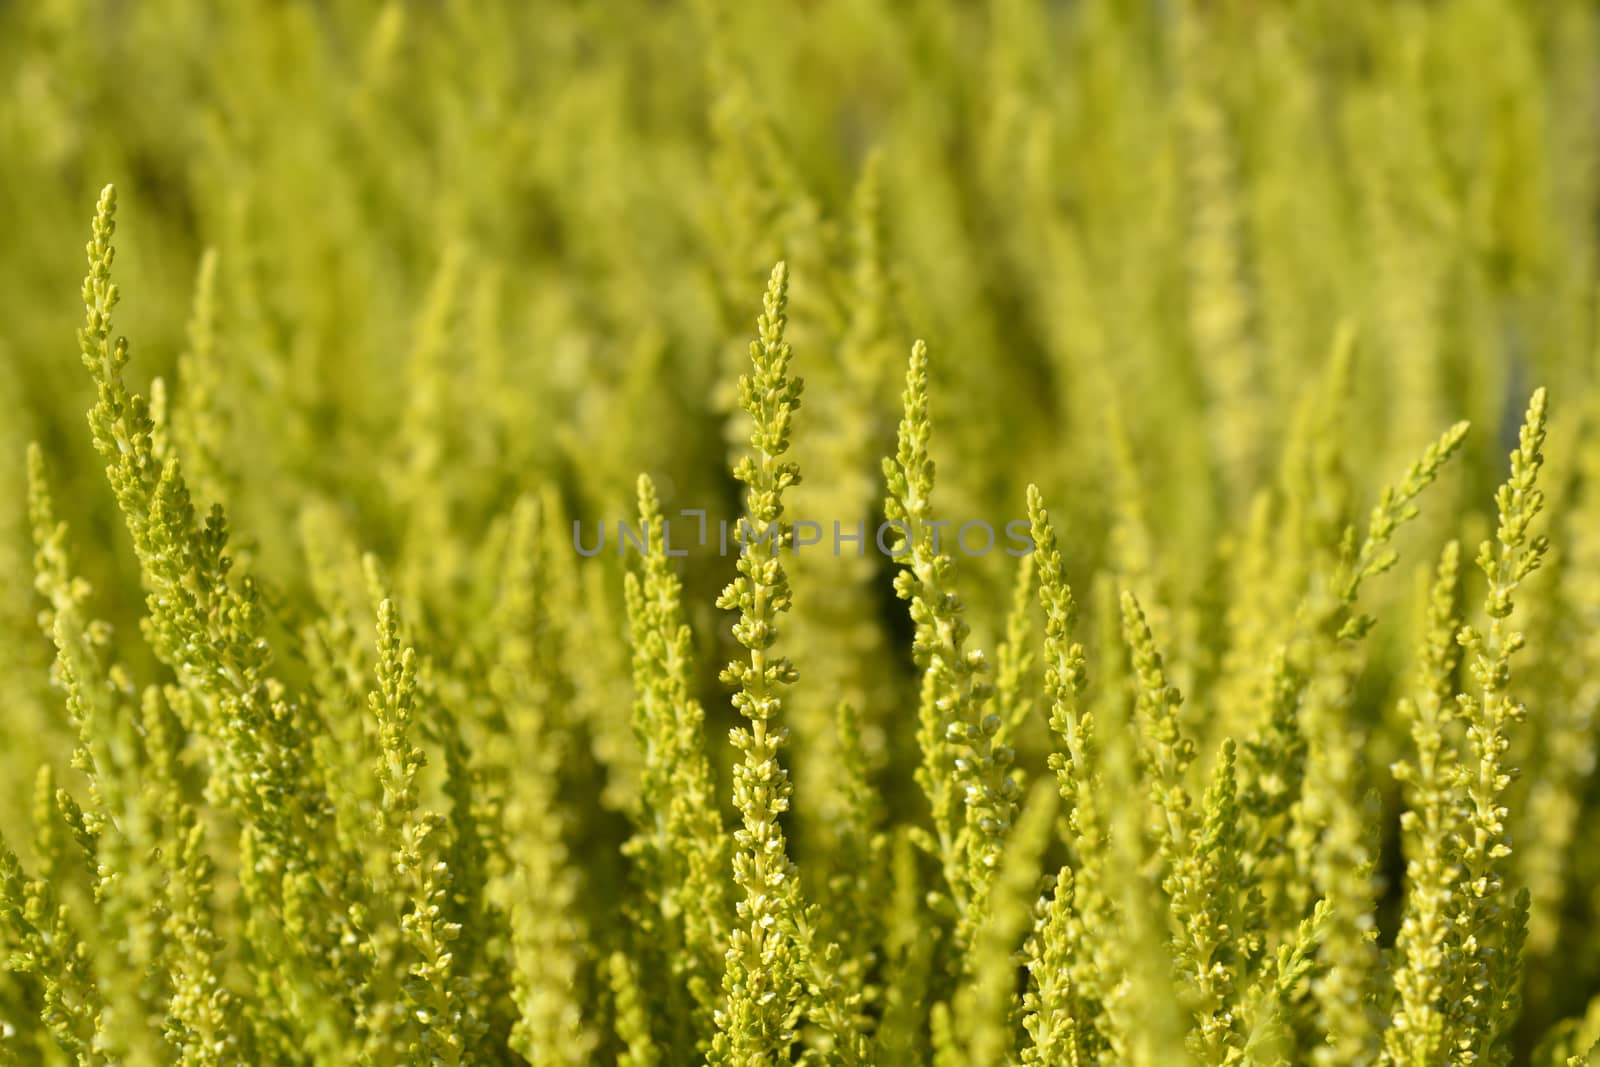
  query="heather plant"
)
[{"x": 1039, "y": 627}]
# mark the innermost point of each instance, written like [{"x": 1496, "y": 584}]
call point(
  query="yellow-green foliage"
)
[{"x": 328, "y": 740}]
